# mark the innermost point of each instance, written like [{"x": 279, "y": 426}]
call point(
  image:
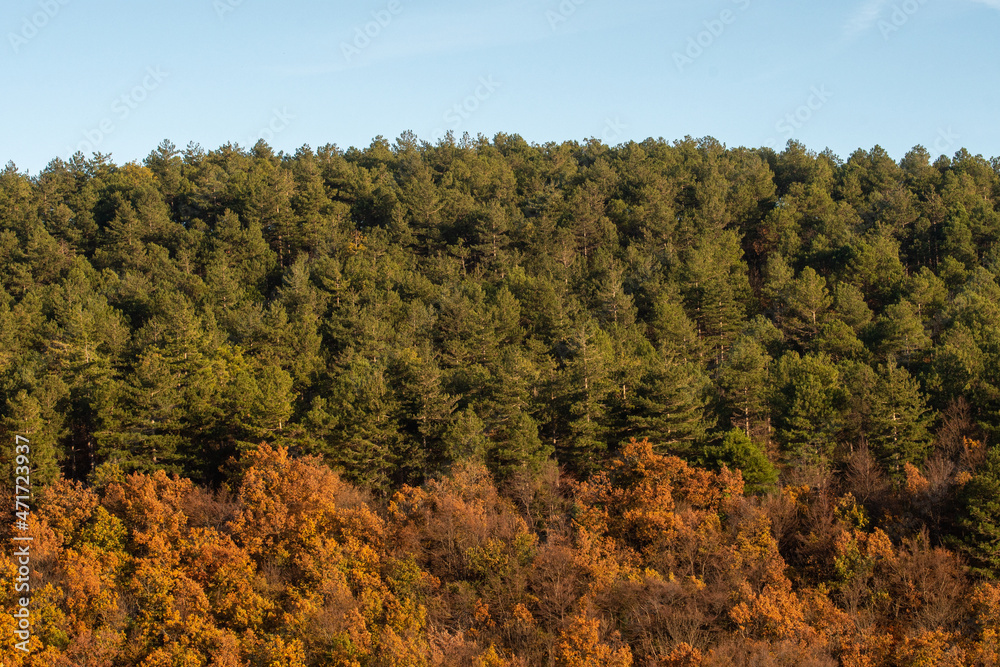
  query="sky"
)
[{"x": 119, "y": 77}]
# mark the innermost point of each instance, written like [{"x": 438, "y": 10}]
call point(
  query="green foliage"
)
[
  {"x": 899, "y": 419},
  {"x": 670, "y": 406},
  {"x": 739, "y": 452},
  {"x": 401, "y": 306},
  {"x": 743, "y": 379},
  {"x": 480, "y": 334},
  {"x": 809, "y": 400},
  {"x": 980, "y": 519}
]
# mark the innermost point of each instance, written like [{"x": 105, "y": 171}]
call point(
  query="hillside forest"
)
[{"x": 491, "y": 403}]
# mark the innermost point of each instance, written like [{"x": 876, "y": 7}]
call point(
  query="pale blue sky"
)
[{"x": 119, "y": 77}]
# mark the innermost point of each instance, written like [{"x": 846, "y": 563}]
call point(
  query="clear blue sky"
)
[{"x": 119, "y": 77}]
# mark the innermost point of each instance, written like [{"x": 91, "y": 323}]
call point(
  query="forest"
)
[{"x": 491, "y": 403}]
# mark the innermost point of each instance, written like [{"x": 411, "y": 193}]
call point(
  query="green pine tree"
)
[
  {"x": 670, "y": 407},
  {"x": 899, "y": 420},
  {"x": 979, "y": 521},
  {"x": 739, "y": 452}
]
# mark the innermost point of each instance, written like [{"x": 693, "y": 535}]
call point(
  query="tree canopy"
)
[{"x": 674, "y": 375}]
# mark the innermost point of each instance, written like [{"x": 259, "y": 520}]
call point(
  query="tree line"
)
[{"x": 826, "y": 331}]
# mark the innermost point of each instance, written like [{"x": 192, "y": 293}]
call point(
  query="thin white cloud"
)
[
  {"x": 430, "y": 43},
  {"x": 437, "y": 30},
  {"x": 865, "y": 17},
  {"x": 868, "y": 13}
]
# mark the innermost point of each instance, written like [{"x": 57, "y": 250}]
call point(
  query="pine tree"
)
[
  {"x": 585, "y": 390},
  {"x": 143, "y": 417},
  {"x": 670, "y": 328},
  {"x": 838, "y": 340},
  {"x": 739, "y": 452},
  {"x": 743, "y": 379},
  {"x": 980, "y": 518},
  {"x": 292, "y": 327},
  {"x": 426, "y": 410},
  {"x": 805, "y": 304},
  {"x": 122, "y": 246},
  {"x": 849, "y": 304},
  {"x": 670, "y": 406},
  {"x": 901, "y": 332},
  {"x": 24, "y": 416},
  {"x": 311, "y": 233},
  {"x": 507, "y": 408},
  {"x": 808, "y": 400},
  {"x": 958, "y": 242},
  {"x": 899, "y": 419},
  {"x": 367, "y": 441},
  {"x": 616, "y": 306},
  {"x": 465, "y": 437},
  {"x": 490, "y": 229},
  {"x": 242, "y": 248},
  {"x": 875, "y": 269},
  {"x": 422, "y": 203},
  {"x": 717, "y": 290},
  {"x": 254, "y": 401},
  {"x": 516, "y": 445}
]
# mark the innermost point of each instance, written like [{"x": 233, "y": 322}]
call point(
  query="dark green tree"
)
[
  {"x": 717, "y": 290},
  {"x": 809, "y": 401},
  {"x": 744, "y": 381},
  {"x": 979, "y": 521},
  {"x": 670, "y": 407},
  {"x": 898, "y": 430},
  {"x": 586, "y": 388},
  {"x": 739, "y": 452}
]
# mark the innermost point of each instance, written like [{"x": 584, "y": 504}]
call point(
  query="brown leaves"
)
[
  {"x": 152, "y": 507},
  {"x": 580, "y": 645},
  {"x": 660, "y": 563},
  {"x": 635, "y": 501},
  {"x": 295, "y": 508}
]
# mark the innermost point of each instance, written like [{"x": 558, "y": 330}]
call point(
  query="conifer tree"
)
[
  {"x": 670, "y": 406},
  {"x": 899, "y": 419},
  {"x": 980, "y": 519},
  {"x": 24, "y": 416},
  {"x": 743, "y": 379},
  {"x": 739, "y": 452},
  {"x": 809, "y": 401},
  {"x": 806, "y": 301},
  {"x": 586, "y": 388},
  {"x": 717, "y": 290}
]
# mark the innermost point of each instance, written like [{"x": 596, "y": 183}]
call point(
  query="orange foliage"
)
[
  {"x": 931, "y": 648},
  {"x": 660, "y": 563},
  {"x": 580, "y": 645},
  {"x": 986, "y": 606},
  {"x": 683, "y": 655},
  {"x": 916, "y": 483},
  {"x": 647, "y": 503},
  {"x": 298, "y": 509}
]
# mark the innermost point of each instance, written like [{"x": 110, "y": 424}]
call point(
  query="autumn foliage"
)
[{"x": 653, "y": 561}]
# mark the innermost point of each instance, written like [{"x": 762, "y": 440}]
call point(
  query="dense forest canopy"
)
[{"x": 757, "y": 394}]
